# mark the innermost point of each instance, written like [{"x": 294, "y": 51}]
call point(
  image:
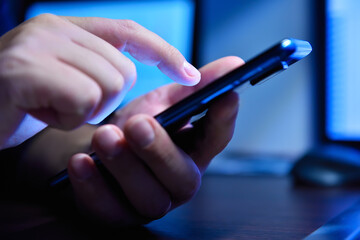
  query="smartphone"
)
[{"x": 274, "y": 60}]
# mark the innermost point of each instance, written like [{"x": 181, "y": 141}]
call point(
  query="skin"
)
[
  {"x": 146, "y": 162},
  {"x": 166, "y": 172},
  {"x": 35, "y": 79},
  {"x": 41, "y": 58}
]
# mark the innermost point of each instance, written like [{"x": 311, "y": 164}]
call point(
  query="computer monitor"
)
[
  {"x": 339, "y": 44},
  {"x": 173, "y": 20}
]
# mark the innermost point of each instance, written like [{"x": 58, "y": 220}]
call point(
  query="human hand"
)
[
  {"x": 66, "y": 71},
  {"x": 153, "y": 174}
]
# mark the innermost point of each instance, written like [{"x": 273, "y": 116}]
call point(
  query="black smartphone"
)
[{"x": 256, "y": 70}]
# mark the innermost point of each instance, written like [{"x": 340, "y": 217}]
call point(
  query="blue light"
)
[
  {"x": 342, "y": 70},
  {"x": 285, "y": 43},
  {"x": 172, "y": 20}
]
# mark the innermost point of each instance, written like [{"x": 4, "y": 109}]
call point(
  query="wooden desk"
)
[{"x": 226, "y": 207}]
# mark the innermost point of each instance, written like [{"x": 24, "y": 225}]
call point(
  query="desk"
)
[{"x": 226, "y": 207}]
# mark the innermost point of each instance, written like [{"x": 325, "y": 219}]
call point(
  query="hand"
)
[
  {"x": 152, "y": 173},
  {"x": 67, "y": 71}
]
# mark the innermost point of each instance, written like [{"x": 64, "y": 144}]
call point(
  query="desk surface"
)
[{"x": 235, "y": 207}]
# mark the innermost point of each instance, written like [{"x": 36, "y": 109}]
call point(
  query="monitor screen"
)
[
  {"x": 342, "y": 74},
  {"x": 173, "y": 20}
]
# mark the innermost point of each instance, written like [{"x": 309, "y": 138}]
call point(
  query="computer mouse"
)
[{"x": 328, "y": 166}]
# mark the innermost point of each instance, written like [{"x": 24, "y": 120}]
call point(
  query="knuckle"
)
[
  {"x": 90, "y": 100},
  {"x": 114, "y": 87},
  {"x": 11, "y": 60},
  {"x": 30, "y": 39},
  {"x": 129, "y": 25},
  {"x": 129, "y": 74},
  {"x": 118, "y": 85},
  {"x": 44, "y": 23},
  {"x": 172, "y": 51},
  {"x": 15, "y": 70},
  {"x": 46, "y": 18},
  {"x": 122, "y": 79},
  {"x": 80, "y": 108},
  {"x": 122, "y": 82}
]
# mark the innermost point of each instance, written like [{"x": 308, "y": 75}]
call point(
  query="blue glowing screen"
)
[
  {"x": 343, "y": 70},
  {"x": 173, "y": 20}
]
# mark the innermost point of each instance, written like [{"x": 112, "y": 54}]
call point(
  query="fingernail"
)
[
  {"x": 192, "y": 72},
  {"x": 81, "y": 168},
  {"x": 107, "y": 139},
  {"x": 141, "y": 132}
]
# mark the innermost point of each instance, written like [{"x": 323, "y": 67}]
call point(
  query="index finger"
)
[
  {"x": 167, "y": 95},
  {"x": 144, "y": 45},
  {"x": 210, "y": 72}
]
